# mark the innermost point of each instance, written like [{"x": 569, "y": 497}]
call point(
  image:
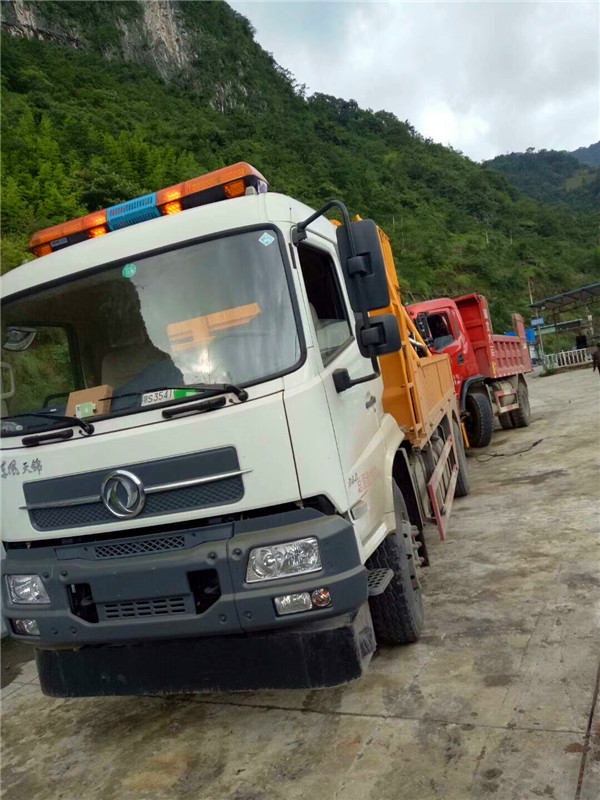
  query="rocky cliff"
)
[{"x": 174, "y": 38}]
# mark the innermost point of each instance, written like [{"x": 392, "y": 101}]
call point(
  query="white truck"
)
[{"x": 207, "y": 481}]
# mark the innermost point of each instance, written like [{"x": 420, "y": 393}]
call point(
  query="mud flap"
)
[{"x": 321, "y": 654}]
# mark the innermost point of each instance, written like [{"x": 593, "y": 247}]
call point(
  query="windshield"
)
[{"x": 217, "y": 311}]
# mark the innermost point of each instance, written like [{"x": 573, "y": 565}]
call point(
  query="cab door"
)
[
  {"x": 450, "y": 342},
  {"x": 356, "y": 413}
]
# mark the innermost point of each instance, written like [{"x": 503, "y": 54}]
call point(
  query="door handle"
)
[{"x": 460, "y": 359}]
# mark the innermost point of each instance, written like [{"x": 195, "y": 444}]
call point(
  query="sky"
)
[{"x": 485, "y": 77}]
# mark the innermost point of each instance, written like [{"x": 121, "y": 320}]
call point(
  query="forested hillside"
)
[
  {"x": 588, "y": 155},
  {"x": 554, "y": 176},
  {"x": 96, "y": 111}
]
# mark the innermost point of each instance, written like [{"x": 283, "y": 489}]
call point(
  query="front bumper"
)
[
  {"x": 329, "y": 652},
  {"x": 183, "y": 584}
]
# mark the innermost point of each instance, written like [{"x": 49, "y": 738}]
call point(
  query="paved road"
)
[{"x": 496, "y": 701}]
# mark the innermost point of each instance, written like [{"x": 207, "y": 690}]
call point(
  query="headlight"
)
[
  {"x": 283, "y": 560},
  {"x": 27, "y": 589}
]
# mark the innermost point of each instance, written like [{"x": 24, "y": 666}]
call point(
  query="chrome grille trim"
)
[
  {"x": 164, "y": 487},
  {"x": 75, "y": 501},
  {"x": 222, "y": 476}
]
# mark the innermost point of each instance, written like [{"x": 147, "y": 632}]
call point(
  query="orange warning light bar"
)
[
  {"x": 227, "y": 182},
  {"x": 222, "y": 184}
]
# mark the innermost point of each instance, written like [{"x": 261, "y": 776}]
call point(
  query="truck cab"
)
[
  {"x": 197, "y": 465},
  {"x": 446, "y": 333},
  {"x": 488, "y": 369}
]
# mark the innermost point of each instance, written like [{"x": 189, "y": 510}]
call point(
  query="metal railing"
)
[{"x": 566, "y": 358}]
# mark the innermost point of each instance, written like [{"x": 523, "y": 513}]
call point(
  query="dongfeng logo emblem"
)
[{"x": 123, "y": 494}]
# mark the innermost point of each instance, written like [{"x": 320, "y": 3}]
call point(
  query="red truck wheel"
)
[
  {"x": 506, "y": 421},
  {"x": 522, "y": 414},
  {"x": 480, "y": 419}
]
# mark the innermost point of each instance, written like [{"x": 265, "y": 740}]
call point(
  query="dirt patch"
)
[
  {"x": 536, "y": 479},
  {"x": 12, "y": 655},
  {"x": 575, "y": 747}
]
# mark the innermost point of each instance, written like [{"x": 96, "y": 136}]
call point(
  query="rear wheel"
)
[
  {"x": 522, "y": 414},
  {"x": 463, "y": 484},
  {"x": 480, "y": 419},
  {"x": 398, "y": 613},
  {"x": 506, "y": 421}
]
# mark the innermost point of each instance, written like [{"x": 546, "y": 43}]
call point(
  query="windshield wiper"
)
[
  {"x": 87, "y": 427},
  {"x": 210, "y": 388},
  {"x": 40, "y": 438}
]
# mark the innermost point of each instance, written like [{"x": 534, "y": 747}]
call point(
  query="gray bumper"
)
[{"x": 115, "y": 591}]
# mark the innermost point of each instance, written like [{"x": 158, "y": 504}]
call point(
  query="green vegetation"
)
[
  {"x": 553, "y": 177},
  {"x": 588, "y": 155},
  {"x": 42, "y": 371},
  {"x": 82, "y": 131}
]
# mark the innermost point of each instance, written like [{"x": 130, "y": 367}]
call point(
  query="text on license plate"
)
[{"x": 162, "y": 396}]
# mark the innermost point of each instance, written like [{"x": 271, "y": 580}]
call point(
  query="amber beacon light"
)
[{"x": 222, "y": 184}]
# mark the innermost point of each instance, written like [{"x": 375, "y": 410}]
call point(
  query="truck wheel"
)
[
  {"x": 398, "y": 612},
  {"x": 522, "y": 414},
  {"x": 506, "y": 421},
  {"x": 463, "y": 484},
  {"x": 480, "y": 420}
]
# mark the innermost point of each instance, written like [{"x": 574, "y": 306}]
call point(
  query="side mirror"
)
[
  {"x": 19, "y": 338},
  {"x": 368, "y": 263},
  {"x": 422, "y": 325},
  {"x": 380, "y": 337}
]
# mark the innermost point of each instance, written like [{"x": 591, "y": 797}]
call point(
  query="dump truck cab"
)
[{"x": 440, "y": 322}]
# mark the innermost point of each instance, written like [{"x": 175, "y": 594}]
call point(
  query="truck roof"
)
[{"x": 162, "y": 232}]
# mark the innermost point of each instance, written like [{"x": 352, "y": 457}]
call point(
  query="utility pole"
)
[{"x": 530, "y": 287}]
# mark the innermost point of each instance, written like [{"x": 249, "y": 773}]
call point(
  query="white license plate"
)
[{"x": 150, "y": 398}]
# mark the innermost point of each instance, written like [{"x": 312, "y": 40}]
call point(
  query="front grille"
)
[
  {"x": 219, "y": 493},
  {"x": 144, "y": 608},
  {"x": 140, "y": 547}
]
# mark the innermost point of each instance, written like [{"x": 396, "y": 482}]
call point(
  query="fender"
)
[{"x": 465, "y": 389}]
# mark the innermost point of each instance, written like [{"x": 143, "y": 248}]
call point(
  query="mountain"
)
[
  {"x": 105, "y": 101},
  {"x": 588, "y": 155},
  {"x": 554, "y": 176}
]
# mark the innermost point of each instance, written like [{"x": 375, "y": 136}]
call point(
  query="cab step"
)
[{"x": 378, "y": 580}]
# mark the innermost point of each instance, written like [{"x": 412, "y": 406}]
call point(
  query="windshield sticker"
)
[
  {"x": 266, "y": 239},
  {"x": 129, "y": 270},
  {"x": 10, "y": 469}
]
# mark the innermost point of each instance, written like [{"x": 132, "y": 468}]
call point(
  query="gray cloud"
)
[{"x": 486, "y": 77}]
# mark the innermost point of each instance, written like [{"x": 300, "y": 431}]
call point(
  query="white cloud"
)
[{"x": 486, "y": 77}]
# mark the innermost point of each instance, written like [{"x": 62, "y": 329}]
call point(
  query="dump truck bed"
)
[
  {"x": 418, "y": 386},
  {"x": 497, "y": 356}
]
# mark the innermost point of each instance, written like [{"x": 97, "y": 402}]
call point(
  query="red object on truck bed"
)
[{"x": 497, "y": 356}]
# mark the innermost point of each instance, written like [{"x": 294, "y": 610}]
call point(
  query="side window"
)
[
  {"x": 42, "y": 370},
  {"x": 441, "y": 331},
  {"x": 325, "y": 301}
]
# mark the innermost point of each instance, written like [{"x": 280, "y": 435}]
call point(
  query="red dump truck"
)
[{"x": 489, "y": 370}]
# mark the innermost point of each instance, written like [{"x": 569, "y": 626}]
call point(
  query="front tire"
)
[
  {"x": 480, "y": 420},
  {"x": 398, "y": 613}
]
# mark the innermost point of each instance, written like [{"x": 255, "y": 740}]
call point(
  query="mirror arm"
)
[{"x": 299, "y": 232}]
